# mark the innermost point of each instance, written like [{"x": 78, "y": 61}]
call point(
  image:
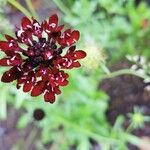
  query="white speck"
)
[
  {"x": 62, "y": 80},
  {"x": 68, "y": 43},
  {"x": 57, "y": 78},
  {"x": 69, "y": 64},
  {"x": 45, "y": 91},
  {"x": 68, "y": 34},
  {"x": 53, "y": 25},
  {"x": 8, "y": 62},
  {"x": 32, "y": 79},
  {"x": 20, "y": 32},
  {"x": 10, "y": 45},
  {"x": 62, "y": 36},
  {"x": 29, "y": 26},
  {"x": 36, "y": 25},
  {"x": 48, "y": 31},
  {"x": 49, "y": 56},
  {"x": 52, "y": 89},
  {"x": 18, "y": 68},
  {"x": 28, "y": 82},
  {"x": 44, "y": 72},
  {"x": 13, "y": 58},
  {"x": 44, "y": 45},
  {"x": 74, "y": 40},
  {"x": 9, "y": 74}
]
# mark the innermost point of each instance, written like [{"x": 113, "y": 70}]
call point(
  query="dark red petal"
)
[
  {"x": 73, "y": 38},
  {"x": 15, "y": 60},
  {"x": 9, "y": 38},
  {"x": 5, "y": 45},
  {"x": 76, "y": 64},
  {"x": 11, "y": 74},
  {"x": 57, "y": 90},
  {"x": 75, "y": 35},
  {"x": 9, "y": 53},
  {"x": 64, "y": 83},
  {"x": 53, "y": 21},
  {"x": 38, "y": 88},
  {"x": 26, "y": 23},
  {"x": 79, "y": 54},
  {"x": 67, "y": 32},
  {"x": 71, "y": 49},
  {"x": 28, "y": 85},
  {"x": 49, "y": 96},
  {"x": 59, "y": 28}
]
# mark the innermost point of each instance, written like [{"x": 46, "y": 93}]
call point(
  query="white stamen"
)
[{"x": 18, "y": 68}]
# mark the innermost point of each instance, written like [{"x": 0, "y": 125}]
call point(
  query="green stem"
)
[
  {"x": 122, "y": 72},
  {"x": 31, "y": 8},
  {"x": 30, "y": 138},
  {"x": 20, "y": 7}
]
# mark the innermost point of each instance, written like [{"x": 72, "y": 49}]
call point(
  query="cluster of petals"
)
[{"x": 38, "y": 55}]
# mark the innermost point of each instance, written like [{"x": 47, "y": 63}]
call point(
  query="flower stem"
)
[
  {"x": 31, "y": 8},
  {"x": 20, "y": 7},
  {"x": 122, "y": 72}
]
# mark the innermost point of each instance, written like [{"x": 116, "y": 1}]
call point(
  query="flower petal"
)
[
  {"x": 49, "y": 96},
  {"x": 15, "y": 60},
  {"x": 73, "y": 38},
  {"x": 4, "y": 45},
  {"x": 53, "y": 21},
  {"x": 11, "y": 74},
  {"x": 79, "y": 54},
  {"x": 26, "y": 23},
  {"x": 38, "y": 88},
  {"x": 76, "y": 64},
  {"x": 28, "y": 85},
  {"x": 9, "y": 38}
]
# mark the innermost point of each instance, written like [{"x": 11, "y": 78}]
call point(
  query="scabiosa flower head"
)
[
  {"x": 39, "y": 67},
  {"x": 95, "y": 55}
]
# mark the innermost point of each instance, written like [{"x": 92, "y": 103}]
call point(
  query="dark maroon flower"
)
[{"x": 36, "y": 58}]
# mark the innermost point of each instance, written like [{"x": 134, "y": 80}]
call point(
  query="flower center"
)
[{"x": 42, "y": 52}]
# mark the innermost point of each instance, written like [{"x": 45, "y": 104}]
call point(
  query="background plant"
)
[{"x": 113, "y": 30}]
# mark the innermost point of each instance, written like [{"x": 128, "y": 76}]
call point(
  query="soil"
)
[{"x": 125, "y": 93}]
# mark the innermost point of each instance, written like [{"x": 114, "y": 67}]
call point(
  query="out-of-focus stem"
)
[
  {"x": 20, "y": 7},
  {"x": 31, "y": 8},
  {"x": 122, "y": 72},
  {"x": 62, "y": 7}
]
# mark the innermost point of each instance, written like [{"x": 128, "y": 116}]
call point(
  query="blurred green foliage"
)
[{"x": 119, "y": 28}]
